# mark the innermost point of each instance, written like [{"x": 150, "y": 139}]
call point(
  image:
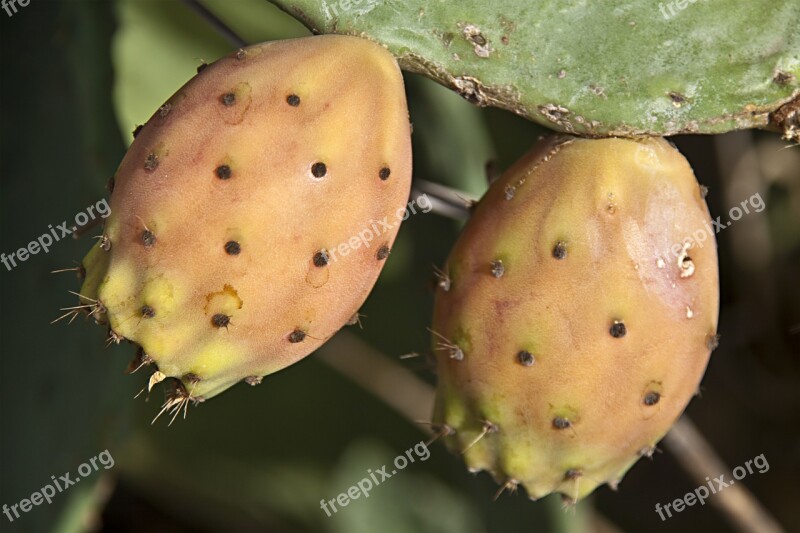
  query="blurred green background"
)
[{"x": 78, "y": 75}]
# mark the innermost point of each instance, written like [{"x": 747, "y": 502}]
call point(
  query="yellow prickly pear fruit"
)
[
  {"x": 578, "y": 316},
  {"x": 236, "y": 243}
]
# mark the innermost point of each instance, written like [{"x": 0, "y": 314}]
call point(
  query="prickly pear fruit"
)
[
  {"x": 231, "y": 251},
  {"x": 578, "y": 314}
]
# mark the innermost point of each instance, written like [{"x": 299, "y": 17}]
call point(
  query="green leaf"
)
[
  {"x": 160, "y": 45},
  {"x": 452, "y": 145},
  {"x": 64, "y": 395},
  {"x": 404, "y": 500},
  {"x": 593, "y": 68}
]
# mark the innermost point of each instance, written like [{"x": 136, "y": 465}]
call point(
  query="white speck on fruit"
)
[
  {"x": 685, "y": 262},
  {"x": 156, "y": 377}
]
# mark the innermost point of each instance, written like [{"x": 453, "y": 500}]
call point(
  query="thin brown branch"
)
[
  {"x": 413, "y": 398},
  {"x": 447, "y": 202},
  {"x": 380, "y": 375},
  {"x": 699, "y": 460},
  {"x": 216, "y": 23}
]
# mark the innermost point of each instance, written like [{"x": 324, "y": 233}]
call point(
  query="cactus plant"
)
[
  {"x": 578, "y": 316},
  {"x": 589, "y": 67},
  {"x": 634, "y": 71},
  {"x": 230, "y": 252}
]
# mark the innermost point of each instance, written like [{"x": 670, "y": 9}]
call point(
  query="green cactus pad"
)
[{"x": 591, "y": 68}]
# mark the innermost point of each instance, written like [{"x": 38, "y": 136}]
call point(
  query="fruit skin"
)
[
  {"x": 229, "y": 205},
  {"x": 538, "y": 379}
]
